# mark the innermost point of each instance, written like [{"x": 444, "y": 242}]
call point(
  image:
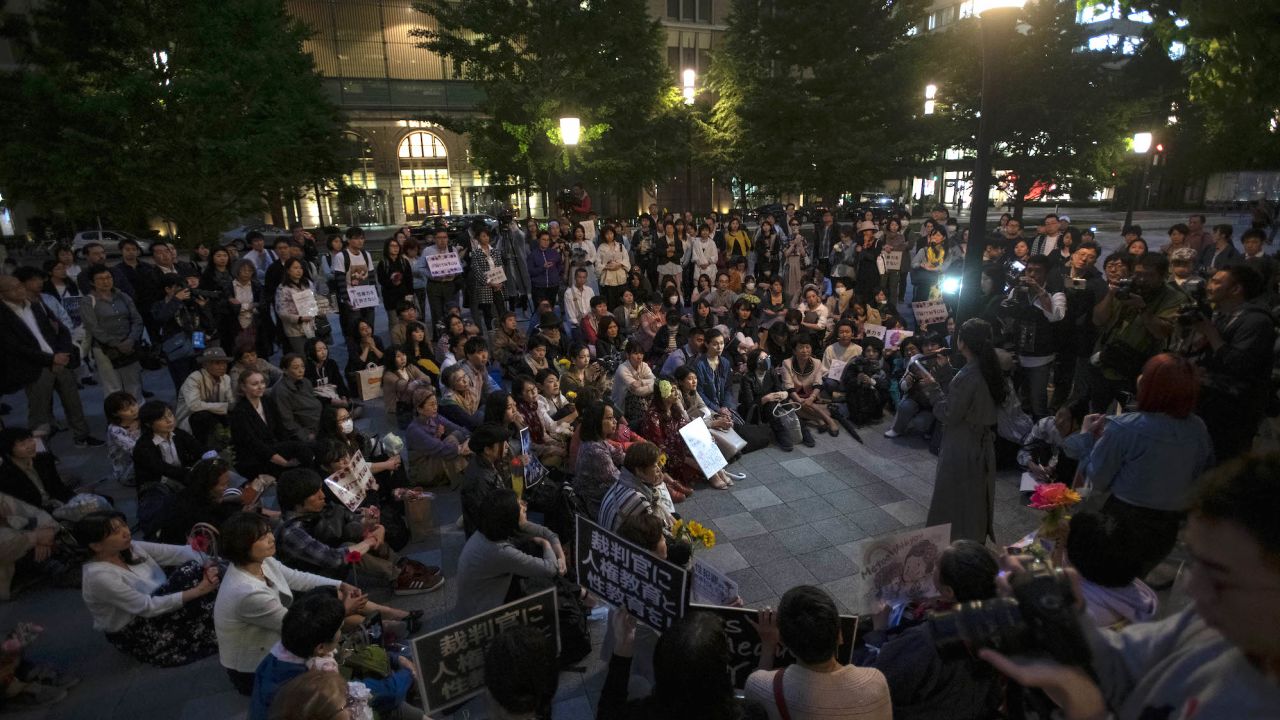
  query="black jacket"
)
[
  {"x": 13, "y": 481},
  {"x": 1242, "y": 366},
  {"x": 149, "y": 465},
  {"x": 24, "y": 360},
  {"x": 255, "y": 439}
]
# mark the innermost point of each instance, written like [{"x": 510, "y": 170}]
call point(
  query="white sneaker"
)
[{"x": 891, "y": 433}]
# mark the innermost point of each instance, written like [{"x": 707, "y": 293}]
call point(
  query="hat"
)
[
  {"x": 1182, "y": 254},
  {"x": 548, "y": 321},
  {"x": 1064, "y": 219},
  {"x": 214, "y": 354},
  {"x": 866, "y": 225}
]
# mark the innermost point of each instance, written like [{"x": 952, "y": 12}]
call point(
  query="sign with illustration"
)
[{"x": 896, "y": 568}]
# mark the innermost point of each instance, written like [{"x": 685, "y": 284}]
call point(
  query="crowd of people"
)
[{"x": 581, "y": 348}]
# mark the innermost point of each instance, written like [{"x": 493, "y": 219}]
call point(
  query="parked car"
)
[
  {"x": 456, "y": 224},
  {"x": 236, "y": 236},
  {"x": 110, "y": 240},
  {"x": 880, "y": 205}
]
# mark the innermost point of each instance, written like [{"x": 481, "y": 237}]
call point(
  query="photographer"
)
[
  {"x": 1084, "y": 286},
  {"x": 1033, "y": 315},
  {"x": 1217, "y": 659},
  {"x": 1136, "y": 317},
  {"x": 914, "y": 400},
  {"x": 1237, "y": 357},
  {"x": 186, "y": 325}
]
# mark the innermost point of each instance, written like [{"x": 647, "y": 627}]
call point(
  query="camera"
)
[
  {"x": 206, "y": 294},
  {"x": 1078, "y": 284},
  {"x": 1040, "y": 619},
  {"x": 1124, "y": 288},
  {"x": 1197, "y": 308}
]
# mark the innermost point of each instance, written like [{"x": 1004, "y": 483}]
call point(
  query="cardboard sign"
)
[
  {"x": 836, "y": 370},
  {"x": 304, "y": 301},
  {"x": 703, "y": 447},
  {"x": 444, "y": 264},
  {"x": 711, "y": 586},
  {"x": 744, "y": 641},
  {"x": 892, "y": 338},
  {"x": 892, "y": 259},
  {"x": 362, "y": 296},
  {"x": 896, "y": 568},
  {"x": 495, "y": 276},
  {"x": 629, "y": 577},
  {"x": 351, "y": 485},
  {"x": 450, "y": 661},
  {"x": 929, "y": 312}
]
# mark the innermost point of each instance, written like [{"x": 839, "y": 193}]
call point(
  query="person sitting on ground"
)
[
  {"x": 1114, "y": 595},
  {"x": 914, "y": 400},
  {"x": 598, "y": 460},
  {"x": 28, "y": 474},
  {"x": 296, "y": 400},
  {"x": 491, "y": 560},
  {"x": 694, "y": 407},
  {"x": 309, "y": 638},
  {"x": 482, "y": 476},
  {"x": 204, "y": 500},
  {"x": 459, "y": 400},
  {"x": 246, "y": 358},
  {"x": 123, "y": 431},
  {"x": 639, "y": 489},
  {"x": 205, "y": 398},
  {"x": 325, "y": 377},
  {"x": 759, "y": 394},
  {"x": 339, "y": 438},
  {"x": 521, "y": 674},
  {"x": 438, "y": 449},
  {"x": 802, "y": 377},
  {"x": 26, "y": 532},
  {"x": 399, "y": 379},
  {"x": 159, "y": 619},
  {"x": 313, "y": 695},
  {"x": 161, "y": 460},
  {"x": 261, "y": 444},
  {"x": 818, "y": 685},
  {"x": 922, "y": 683}
]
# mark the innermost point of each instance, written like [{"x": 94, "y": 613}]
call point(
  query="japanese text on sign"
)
[
  {"x": 892, "y": 259},
  {"x": 444, "y": 264},
  {"x": 362, "y": 296},
  {"x": 630, "y": 578},
  {"x": 450, "y": 660},
  {"x": 929, "y": 312}
]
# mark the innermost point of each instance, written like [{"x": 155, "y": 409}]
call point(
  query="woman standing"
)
[
  {"x": 582, "y": 254},
  {"x": 868, "y": 263},
  {"x": 295, "y": 306},
  {"x": 737, "y": 243},
  {"x": 487, "y": 302},
  {"x": 894, "y": 241},
  {"x": 614, "y": 266},
  {"x": 928, "y": 264},
  {"x": 395, "y": 275},
  {"x": 514, "y": 248},
  {"x": 964, "y": 487},
  {"x": 766, "y": 251},
  {"x": 240, "y": 315},
  {"x": 795, "y": 258}
]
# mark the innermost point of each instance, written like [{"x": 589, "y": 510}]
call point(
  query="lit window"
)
[
  {"x": 1103, "y": 42},
  {"x": 966, "y": 9},
  {"x": 933, "y": 21},
  {"x": 1099, "y": 12},
  {"x": 1141, "y": 17},
  {"x": 422, "y": 145},
  {"x": 1177, "y": 50}
]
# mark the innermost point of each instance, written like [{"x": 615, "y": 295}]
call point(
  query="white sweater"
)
[
  {"x": 116, "y": 595},
  {"x": 249, "y": 612}
]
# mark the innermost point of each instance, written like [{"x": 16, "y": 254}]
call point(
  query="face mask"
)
[
  {"x": 347, "y": 427},
  {"x": 766, "y": 363},
  {"x": 751, "y": 286}
]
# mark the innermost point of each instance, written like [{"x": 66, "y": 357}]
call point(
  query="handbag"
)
[
  {"x": 369, "y": 382},
  {"x": 786, "y": 413},
  {"x": 729, "y": 441},
  {"x": 176, "y": 347}
]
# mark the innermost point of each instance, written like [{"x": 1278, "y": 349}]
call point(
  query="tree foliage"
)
[
  {"x": 190, "y": 110},
  {"x": 811, "y": 93},
  {"x": 598, "y": 60}
]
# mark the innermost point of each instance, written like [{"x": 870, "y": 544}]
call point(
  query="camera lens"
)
[{"x": 995, "y": 623}]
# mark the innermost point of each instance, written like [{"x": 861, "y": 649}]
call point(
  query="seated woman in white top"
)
[
  {"x": 551, "y": 403},
  {"x": 490, "y": 561},
  {"x": 164, "y": 620}
]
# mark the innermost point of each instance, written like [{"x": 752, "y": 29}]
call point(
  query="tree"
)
[
  {"x": 191, "y": 110},
  {"x": 810, "y": 93},
  {"x": 538, "y": 61}
]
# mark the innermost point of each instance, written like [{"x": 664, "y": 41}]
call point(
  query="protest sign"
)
[
  {"x": 711, "y": 586},
  {"x": 892, "y": 259},
  {"x": 444, "y": 264},
  {"x": 534, "y": 470},
  {"x": 362, "y": 296},
  {"x": 352, "y": 484},
  {"x": 629, "y": 577},
  {"x": 895, "y": 337},
  {"x": 453, "y": 657},
  {"x": 896, "y": 568},
  {"x": 495, "y": 276},
  {"x": 836, "y": 370},
  {"x": 304, "y": 301},
  {"x": 929, "y": 312},
  {"x": 744, "y": 641},
  {"x": 703, "y": 448}
]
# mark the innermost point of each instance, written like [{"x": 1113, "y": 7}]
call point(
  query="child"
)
[{"x": 123, "y": 430}]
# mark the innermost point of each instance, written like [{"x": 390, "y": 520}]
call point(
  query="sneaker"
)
[
  {"x": 891, "y": 433},
  {"x": 413, "y": 583},
  {"x": 89, "y": 441}
]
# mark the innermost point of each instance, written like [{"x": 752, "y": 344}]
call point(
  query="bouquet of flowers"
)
[
  {"x": 563, "y": 364},
  {"x": 694, "y": 532},
  {"x": 1055, "y": 499}
]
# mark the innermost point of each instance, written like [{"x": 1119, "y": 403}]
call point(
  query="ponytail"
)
[{"x": 976, "y": 335}]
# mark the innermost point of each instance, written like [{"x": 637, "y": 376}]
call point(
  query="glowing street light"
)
[
  {"x": 570, "y": 130},
  {"x": 930, "y": 93},
  {"x": 983, "y": 6},
  {"x": 1141, "y": 142},
  {"x": 690, "y": 77}
]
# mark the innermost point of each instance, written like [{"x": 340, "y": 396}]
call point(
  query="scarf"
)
[
  {"x": 935, "y": 254},
  {"x": 529, "y": 411}
]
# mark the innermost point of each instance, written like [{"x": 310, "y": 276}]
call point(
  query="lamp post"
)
[
  {"x": 997, "y": 18},
  {"x": 1141, "y": 146},
  {"x": 690, "y": 79}
]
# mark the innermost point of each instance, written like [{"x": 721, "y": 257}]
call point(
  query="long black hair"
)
[{"x": 976, "y": 335}]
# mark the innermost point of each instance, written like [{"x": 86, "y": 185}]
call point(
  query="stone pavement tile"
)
[
  {"x": 724, "y": 557},
  {"x": 789, "y": 489},
  {"x": 844, "y": 590},
  {"x": 908, "y": 512},
  {"x": 756, "y": 497},
  {"x": 827, "y": 564},
  {"x": 823, "y": 483},
  {"x": 882, "y": 493},
  {"x": 926, "y": 466},
  {"x": 802, "y": 467},
  {"x": 847, "y": 501},
  {"x": 833, "y": 461},
  {"x": 1007, "y": 491},
  {"x": 752, "y": 479},
  {"x": 875, "y": 521},
  {"x": 802, "y": 539},
  {"x": 713, "y": 504},
  {"x": 883, "y": 468},
  {"x": 782, "y": 575},
  {"x": 918, "y": 489},
  {"x": 812, "y": 509},
  {"x": 759, "y": 459},
  {"x": 778, "y": 517},
  {"x": 839, "y": 530},
  {"x": 751, "y": 585},
  {"x": 761, "y": 549},
  {"x": 741, "y": 525},
  {"x": 855, "y": 475}
]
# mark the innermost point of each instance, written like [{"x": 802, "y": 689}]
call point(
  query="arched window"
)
[{"x": 424, "y": 174}]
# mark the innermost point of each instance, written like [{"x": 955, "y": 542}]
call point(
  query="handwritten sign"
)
[
  {"x": 495, "y": 276},
  {"x": 892, "y": 337},
  {"x": 711, "y": 586},
  {"x": 703, "y": 448},
  {"x": 362, "y": 296},
  {"x": 629, "y": 577},
  {"x": 929, "y": 312},
  {"x": 744, "y": 641},
  {"x": 453, "y": 657},
  {"x": 892, "y": 259},
  {"x": 351, "y": 485},
  {"x": 444, "y": 264},
  {"x": 304, "y": 301},
  {"x": 896, "y": 568},
  {"x": 836, "y": 371}
]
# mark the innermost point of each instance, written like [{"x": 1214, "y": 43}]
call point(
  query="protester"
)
[{"x": 495, "y": 557}]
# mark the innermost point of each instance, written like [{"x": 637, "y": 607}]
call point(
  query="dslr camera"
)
[
  {"x": 1197, "y": 308},
  {"x": 1040, "y": 619},
  {"x": 1124, "y": 288}
]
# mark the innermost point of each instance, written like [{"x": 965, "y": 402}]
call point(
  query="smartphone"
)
[{"x": 197, "y": 340}]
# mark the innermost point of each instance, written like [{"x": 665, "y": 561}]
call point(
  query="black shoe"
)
[
  {"x": 89, "y": 441},
  {"x": 808, "y": 439}
]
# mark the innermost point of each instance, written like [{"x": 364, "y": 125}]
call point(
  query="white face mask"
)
[
  {"x": 347, "y": 426},
  {"x": 751, "y": 286}
]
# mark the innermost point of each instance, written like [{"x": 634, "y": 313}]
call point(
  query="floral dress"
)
[
  {"x": 663, "y": 429},
  {"x": 120, "y": 442}
]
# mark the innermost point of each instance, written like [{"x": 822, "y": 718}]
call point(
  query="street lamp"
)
[
  {"x": 1141, "y": 146},
  {"x": 690, "y": 78},
  {"x": 930, "y": 92},
  {"x": 570, "y": 130},
  {"x": 998, "y": 18}
]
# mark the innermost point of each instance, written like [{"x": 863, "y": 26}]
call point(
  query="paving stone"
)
[
  {"x": 751, "y": 585},
  {"x": 724, "y": 557},
  {"x": 789, "y": 489},
  {"x": 833, "y": 461},
  {"x": 827, "y": 564},
  {"x": 714, "y": 504},
  {"x": 757, "y": 460},
  {"x": 845, "y": 592},
  {"x": 908, "y": 512},
  {"x": 802, "y": 539},
  {"x": 779, "y": 517},
  {"x": 756, "y": 497},
  {"x": 782, "y": 575},
  {"x": 847, "y": 501},
  {"x": 813, "y": 508},
  {"x": 875, "y": 521},
  {"x": 760, "y": 549},
  {"x": 802, "y": 467},
  {"x": 881, "y": 493},
  {"x": 824, "y": 483},
  {"x": 732, "y": 527},
  {"x": 883, "y": 468},
  {"x": 839, "y": 530}
]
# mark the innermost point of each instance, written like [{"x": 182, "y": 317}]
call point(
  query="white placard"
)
[
  {"x": 589, "y": 228},
  {"x": 304, "y": 301},
  {"x": 874, "y": 331},
  {"x": 703, "y": 448},
  {"x": 711, "y": 586},
  {"x": 495, "y": 276},
  {"x": 896, "y": 337},
  {"x": 444, "y": 264},
  {"x": 362, "y": 296},
  {"x": 892, "y": 259},
  {"x": 836, "y": 370},
  {"x": 351, "y": 485},
  {"x": 929, "y": 312},
  {"x": 896, "y": 568}
]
